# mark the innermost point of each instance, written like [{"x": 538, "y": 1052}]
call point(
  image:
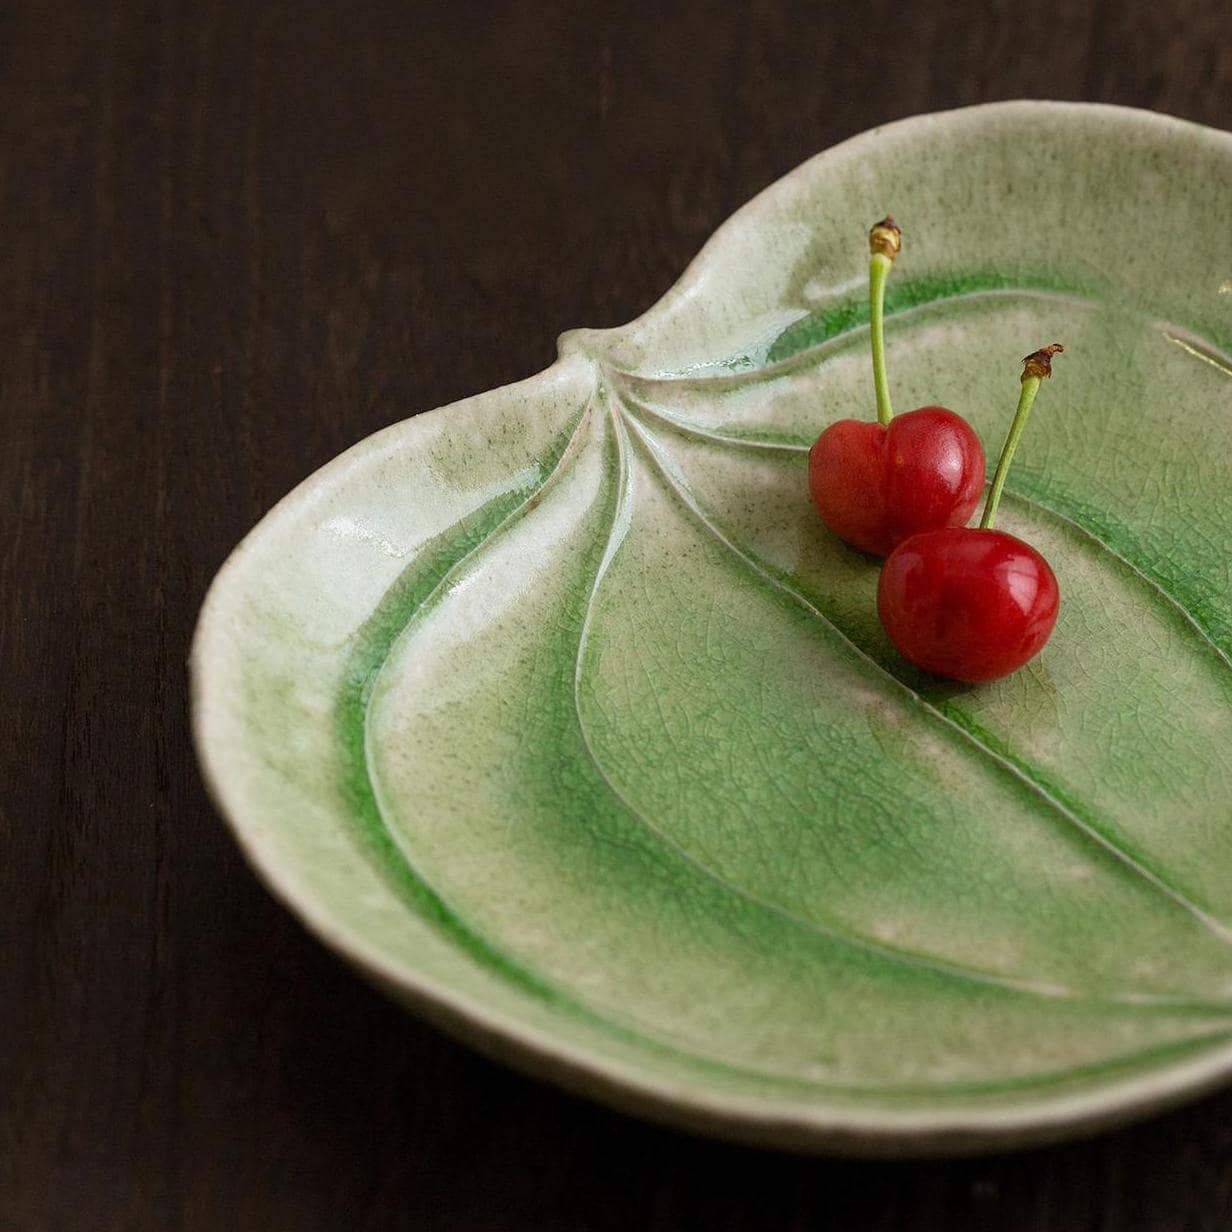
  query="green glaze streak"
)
[
  {"x": 1191, "y": 611},
  {"x": 1187, "y": 593},
  {"x": 406, "y": 597},
  {"x": 901, "y": 296},
  {"x": 935, "y": 699}
]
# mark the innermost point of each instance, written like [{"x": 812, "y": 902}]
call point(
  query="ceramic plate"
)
[{"x": 558, "y": 713}]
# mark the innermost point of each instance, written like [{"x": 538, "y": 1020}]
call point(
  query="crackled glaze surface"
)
[{"x": 558, "y": 711}]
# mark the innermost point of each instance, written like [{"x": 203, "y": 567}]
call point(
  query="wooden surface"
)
[{"x": 235, "y": 238}]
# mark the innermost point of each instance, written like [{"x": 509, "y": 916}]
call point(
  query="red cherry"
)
[
  {"x": 972, "y": 604},
  {"x": 875, "y": 485}
]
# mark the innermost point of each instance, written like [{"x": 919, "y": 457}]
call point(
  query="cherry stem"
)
[
  {"x": 884, "y": 241},
  {"x": 1037, "y": 366},
  {"x": 879, "y": 266}
]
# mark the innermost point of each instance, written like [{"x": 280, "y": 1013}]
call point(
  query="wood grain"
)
[{"x": 233, "y": 240}]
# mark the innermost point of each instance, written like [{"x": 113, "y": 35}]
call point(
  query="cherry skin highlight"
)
[
  {"x": 875, "y": 485},
  {"x": 970, "y": 604}
]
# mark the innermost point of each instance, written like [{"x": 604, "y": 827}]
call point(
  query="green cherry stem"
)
[
  {"x": 1036, "y": 367},
  {"x": 884, "y": 241}
]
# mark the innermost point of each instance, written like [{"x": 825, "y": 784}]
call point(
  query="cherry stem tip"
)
[
  {"x": 1039, "y": 363},
  {"x": 885, "y": 238}
]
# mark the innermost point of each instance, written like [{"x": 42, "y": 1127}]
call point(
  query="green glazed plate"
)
[{"x": 558, "y": 713}]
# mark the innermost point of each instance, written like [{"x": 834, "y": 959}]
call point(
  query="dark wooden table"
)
[{"x": 235, "y": 238}]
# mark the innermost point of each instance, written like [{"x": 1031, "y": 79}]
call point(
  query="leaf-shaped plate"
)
[{"x": 559, "y": 714}]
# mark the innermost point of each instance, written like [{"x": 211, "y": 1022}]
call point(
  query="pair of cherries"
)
[{"x": 970, "y": 604}]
